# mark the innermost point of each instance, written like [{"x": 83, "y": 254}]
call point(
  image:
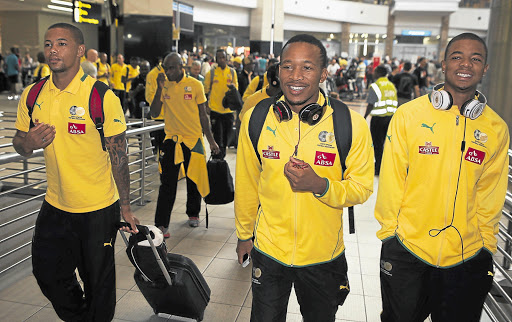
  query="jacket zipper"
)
[
  {"x": 294, "y": 231},
  {"x": 443, "y": 237}
]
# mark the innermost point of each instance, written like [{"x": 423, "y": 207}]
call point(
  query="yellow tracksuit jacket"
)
[
  {"x": 418, "y": 183},
  {"x": 298, "y": 228}
]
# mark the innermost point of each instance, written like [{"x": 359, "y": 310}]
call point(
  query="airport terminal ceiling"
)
[{"x": 209, "y": 36}]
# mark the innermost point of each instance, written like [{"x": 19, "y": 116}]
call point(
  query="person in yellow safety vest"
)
[
  {"x": 382, "y": 102},
  {"x": 441, "y": 193}
]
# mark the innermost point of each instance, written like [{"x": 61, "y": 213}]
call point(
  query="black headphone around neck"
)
[
  {"x": 472, "y": 108},
  {"x": 310, "y": 114}
]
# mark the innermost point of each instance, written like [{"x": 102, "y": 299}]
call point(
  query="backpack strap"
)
[
  {"x": 258, "y": 116},
  {"x": 96, "y": 108},
  {"x": 32, "y": 96},
  {"x": 260, "y": 82},
  {"x": 342, "y": 130},
  {"x": 342, "y": 122}
]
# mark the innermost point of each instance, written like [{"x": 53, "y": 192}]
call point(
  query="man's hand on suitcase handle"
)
[{"x": 124, "y": 226}]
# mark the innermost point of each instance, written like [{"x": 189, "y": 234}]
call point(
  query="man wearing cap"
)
[{"x": 237, "y": 64}]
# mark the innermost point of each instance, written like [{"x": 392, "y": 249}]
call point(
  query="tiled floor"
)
[{"x": 213, "y": 251}]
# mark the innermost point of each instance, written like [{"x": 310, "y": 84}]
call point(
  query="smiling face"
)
[
  {"x": 300, "y": 73},
  {"x": 464, "y": 66},
  {"x": 62, "y": 51}
]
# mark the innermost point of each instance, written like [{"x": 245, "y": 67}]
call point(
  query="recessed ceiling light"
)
[{"x": 63, "y": 3}]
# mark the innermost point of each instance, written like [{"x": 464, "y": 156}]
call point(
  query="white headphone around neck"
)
[{"x": 442, "y": 100}]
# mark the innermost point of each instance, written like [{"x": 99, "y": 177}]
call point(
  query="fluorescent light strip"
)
[
  {"x": 59, "y": 8},
  {"x": 62, "y": 3}
]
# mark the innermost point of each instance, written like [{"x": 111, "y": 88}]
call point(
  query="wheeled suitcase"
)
[{"x": 181, "y": 289}]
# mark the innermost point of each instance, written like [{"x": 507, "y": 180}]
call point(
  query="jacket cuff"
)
[
  {"x": 326, "y": 189},
  {"x": 244, "y": 240}
]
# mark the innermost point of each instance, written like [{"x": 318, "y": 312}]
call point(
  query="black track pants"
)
[
  {"x": 320, "y": 289},
  {"x": 66, "y": 241},
  {"x": 411, "y": 289}
]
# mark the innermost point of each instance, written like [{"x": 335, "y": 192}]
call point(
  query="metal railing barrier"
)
[{"x": 23, "y": 186}]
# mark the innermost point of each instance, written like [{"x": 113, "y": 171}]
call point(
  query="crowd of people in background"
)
[{"x": 348, "y": 78}]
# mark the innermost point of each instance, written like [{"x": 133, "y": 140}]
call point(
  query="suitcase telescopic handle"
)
[{"x": 149, "y": 236}]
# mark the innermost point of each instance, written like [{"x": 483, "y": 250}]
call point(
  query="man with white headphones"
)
[
  {"x": 441, "y": 190},
  {"x": 288, "y": 208}
]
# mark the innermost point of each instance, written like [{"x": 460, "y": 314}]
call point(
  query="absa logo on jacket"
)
[
  {"x": 76, "y": 128},
  {"x": 324, "y": 159},
  {"x": 474, "y": 156}
]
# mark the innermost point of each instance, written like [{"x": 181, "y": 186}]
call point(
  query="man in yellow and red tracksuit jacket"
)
[
  {"x": 295, "y": 214},
  {"x": 441, "y": 190}
]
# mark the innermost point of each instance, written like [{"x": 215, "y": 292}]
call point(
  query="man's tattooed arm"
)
[{"x": 117, "y": 147}]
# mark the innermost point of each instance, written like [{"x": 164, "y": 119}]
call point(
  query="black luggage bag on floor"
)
[{"x": 182, "y": 291}]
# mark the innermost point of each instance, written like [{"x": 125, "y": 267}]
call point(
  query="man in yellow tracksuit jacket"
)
[
  {"x": 441, "y": 190},
  {"x": 293, "y": 208}
]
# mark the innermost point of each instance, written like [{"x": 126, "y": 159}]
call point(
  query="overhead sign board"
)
[
  {"x": 86, "y": 12},
  {"x": 422, "y": 33},
  {"x": 183, "y": 16}
]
